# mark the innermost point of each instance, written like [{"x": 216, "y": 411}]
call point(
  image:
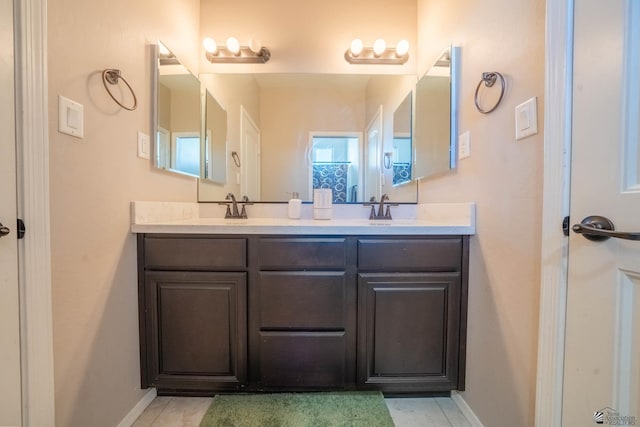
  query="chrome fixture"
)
[
  {"x": 233, "y": 52},
  {"x": 112, "y": 76},
  {"x": 382, "y": 213},
  {"x": 232, "y": 207},
  {"x": 379, "y": 53},
  {"x": 489, "y": 79}
]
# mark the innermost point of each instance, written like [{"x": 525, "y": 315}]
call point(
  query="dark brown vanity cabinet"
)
[
  {"x": 412, "y": 296},
  {"x": 258, "y": 312},
  {"x": 302, "y": 306},
  {"x": 192, "y": 319}
]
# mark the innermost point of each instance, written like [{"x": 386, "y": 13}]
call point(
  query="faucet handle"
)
[{"x": 245, "y": 201}]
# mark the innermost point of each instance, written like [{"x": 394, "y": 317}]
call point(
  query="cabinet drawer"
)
[
  {"x": 302, "y": 359},
  {"x": 302, "y": 300},
  {"x": 410, "y": 254},
  {"x": 301, "y": 253},
  {"x": 194, "y": 253}
]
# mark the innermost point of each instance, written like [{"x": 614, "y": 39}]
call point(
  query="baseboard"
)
[
  {"x": 137, "y": 410},
  {"x": 466, "y": 410}
]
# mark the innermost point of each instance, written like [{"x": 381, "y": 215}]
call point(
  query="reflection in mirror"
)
[
  {"x": 215, "y": 136},
  {"x": 402, "y": 149},
  {"x": 177, "y": 115},
  {"x": 288, "y": 110},
  {"x": 335, "y": 164},
  {"x": 435, "y": 117}
]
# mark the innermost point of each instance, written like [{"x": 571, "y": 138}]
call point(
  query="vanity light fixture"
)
[
  {"x": 232, "y": 51},
  {"x": 378, "y": 54}
]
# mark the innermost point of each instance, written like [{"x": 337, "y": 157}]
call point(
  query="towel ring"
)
[
  {"x": 112, "y": 77},
  {"x": 489, "y": 79}
]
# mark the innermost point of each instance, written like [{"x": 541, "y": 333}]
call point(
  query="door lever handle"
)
[
  {"x": 4, "y": 230},
  {"x": 598, "y": 228}
]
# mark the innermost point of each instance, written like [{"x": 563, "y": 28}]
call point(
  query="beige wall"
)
[
  {"x": 504, "y": 178},
  {"x": 92, "y": 182}
]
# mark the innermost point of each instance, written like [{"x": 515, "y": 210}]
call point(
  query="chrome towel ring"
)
[
  {"x": 489, "y": 79},
  {"x": 112, "y": 76}
]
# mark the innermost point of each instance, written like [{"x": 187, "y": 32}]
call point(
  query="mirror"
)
[
  {"x": 435, "y": 130},
  {"x": 401, "y": 157},
  {"x": 303, "y": 131},
  {"x": 177, "y": 119},
  {"x": 214, "y": 159}
]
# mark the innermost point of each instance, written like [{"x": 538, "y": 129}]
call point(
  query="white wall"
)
[
  {"x": 504, "y": 178},
  {"x": 92, "y": 182}
]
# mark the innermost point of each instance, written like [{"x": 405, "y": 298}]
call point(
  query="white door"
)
[
  {"x": 10, "y": 391},
  {"x": 602, "y": 359},
  {"x": 250, "y": 159}
]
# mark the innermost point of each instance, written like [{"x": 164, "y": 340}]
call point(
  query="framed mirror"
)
[
  {"x": 177, "y": 115},
  {"x": 294, "y": 132},
  {"x": 436, "y": 129}
]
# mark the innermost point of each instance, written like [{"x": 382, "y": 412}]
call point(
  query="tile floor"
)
[{"x": 406, "y": 412}]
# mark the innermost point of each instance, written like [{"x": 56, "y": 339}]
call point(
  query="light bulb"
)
[
  {"x": 356, "y": 47},
  {"x": 233, "y": 45},
  {"x": 379, "y": 47},
  {"x": 210, "y": 45},
  {"x": 255, "y": 45},
  {"x": 402, "y": 48}
]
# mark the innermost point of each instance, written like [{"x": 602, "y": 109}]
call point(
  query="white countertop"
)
[{"x": 194, "y": 218}]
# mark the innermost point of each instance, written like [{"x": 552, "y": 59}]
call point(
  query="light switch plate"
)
[
  {"x": 144, "y": 146},
  {"x": 464, "y": 145},
  {"x": 526, "y": 119},
  {"x": 70, "y": 117}
]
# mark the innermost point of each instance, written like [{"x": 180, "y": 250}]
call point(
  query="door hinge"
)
[
  {"x": 565, "y": 225},
  {"x": 21, "y": 229}
]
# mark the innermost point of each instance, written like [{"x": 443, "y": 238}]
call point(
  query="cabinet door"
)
[
  {"x": 196, "y": 330},
  {"x": 408, "y": 331}
]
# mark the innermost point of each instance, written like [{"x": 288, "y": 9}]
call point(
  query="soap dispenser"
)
[{"x": 295, "y": 206}]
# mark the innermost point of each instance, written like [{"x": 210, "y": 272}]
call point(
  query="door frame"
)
[
  {"x": 556, "y": 188},
  {"x": 32, "y": 134}
]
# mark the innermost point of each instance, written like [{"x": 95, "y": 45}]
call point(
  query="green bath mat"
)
[{"x": 298, "y": 410}]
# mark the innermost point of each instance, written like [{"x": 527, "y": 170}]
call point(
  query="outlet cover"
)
[{"x": 464, "y": 145}]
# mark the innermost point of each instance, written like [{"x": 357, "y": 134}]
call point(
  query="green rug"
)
[{"x": 298, "y": 410}]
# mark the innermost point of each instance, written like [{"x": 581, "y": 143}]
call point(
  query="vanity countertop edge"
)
[{"x": 195, "y": 218}]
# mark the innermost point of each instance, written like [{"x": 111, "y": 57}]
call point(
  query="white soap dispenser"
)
[{"x": 295, "y": 206}]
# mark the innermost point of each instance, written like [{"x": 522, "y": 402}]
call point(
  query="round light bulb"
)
[
  {"x": 402, "y": 48},
  {"x": 210, "y": 45},
  {"x": 255, "y": 45},
  {"x": 356, "y": 47},
  {"x": 379, "y": 47},
  {"x": 233, "y": 45}
]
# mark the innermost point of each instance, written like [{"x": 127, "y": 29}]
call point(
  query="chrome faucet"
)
[
  {"x": 382, "y": 213},
  {"x": 232, "y": 206}
]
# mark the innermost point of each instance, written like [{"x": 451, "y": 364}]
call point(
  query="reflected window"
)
[
  {"x": 186, "y": 147},
  {"x": 336, "y": 164}
]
